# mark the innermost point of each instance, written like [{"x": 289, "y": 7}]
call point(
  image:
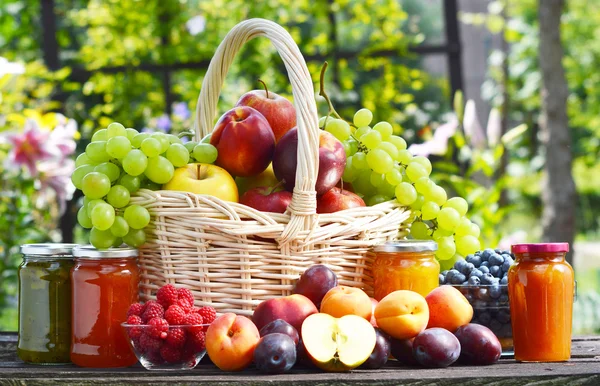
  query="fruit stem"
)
[
  {"x": 324, "y": 94},
  {"x": 279, "y": 185},
  {"x": 266, "y": 89},
  {"x": 185, "y": 134}
]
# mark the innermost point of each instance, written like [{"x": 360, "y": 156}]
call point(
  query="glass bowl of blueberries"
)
[{"x": 483, "y": 279}]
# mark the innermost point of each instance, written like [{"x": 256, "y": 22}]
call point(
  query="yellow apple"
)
[
  {"x": 266, "y": 178},
  {"x": 204, "y": 179}
]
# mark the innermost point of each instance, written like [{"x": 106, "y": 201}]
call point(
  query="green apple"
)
[
  {"x": 204, "y": 179},
  {"x": 265, "y": 179}
]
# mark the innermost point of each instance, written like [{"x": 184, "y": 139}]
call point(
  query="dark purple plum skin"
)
[
  {"x": 302, "y": 357},
  {"x": 315, "y": 282},
  {"x": 381, "y": 352},
  {"x": 282, "y": 327},
  {"x": 402, "y": 350},
  {"x": 275, "y": 354},
  {"x": 478, "y": 345},
  {"x": 436, "y": 347}
]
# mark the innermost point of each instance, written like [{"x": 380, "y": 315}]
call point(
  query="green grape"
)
[
  {"x": 387, "y": 190},
  {"x": 95, "y": 185},
  {"x": 119, "y": 228},
  {"x": 418, "y": 204},
  {"x": 464, "y": 227},
  {"x": 118, "y": 196},
  {"x": 404, "y": 157},
  {"x": 350, "y": 146},
  {"x": 390, "y": 149},
  {"x": 446, "y": 248},
  {"x": 385, "y": 129},
  {"x": 151, "y": 147},
  {"x": 190, "y": 145},
  {"x": 103, "y": 216},
  {"x": 399, "y": 142},
  {"x": 436, "y": 194},
  {"x": 338, "y": 128},
  {"x": 174, "y": 139},
  {"x": 135, "y": 162},
  {"x": 405, "y": 193},
  {"x": 424, "y": 185},
  {"x": 362, "y": 184},
  {"x": 350, "y": 173},
  {"x": 466, "y": 245},
  {"x": 359, "y": 160},
  {"x": 116, "y": 129},
  {"x": 458, "y": 203},
  {"x": 83, "y": 159},
  {"x": 178, "y": 155},
  {"x": 83, "y": 219},
  {"x": 138, "y": 139},
  {"x": 419, "y": 230},
  {"x": 377, "y": 179},
  {"x": 439, "y": 233},
  {"x": 110, "y": 170},
  {"x": 423, "y": 161},
  {"x": 377, "y": 199},
  {"x": 131, "y": 183},
  {"x": 362, "y": 117},
  {"x": 475, "y": 231},
  {"x": 135, "y": 238},
  {"x": 159, "y": 170},
  {"x": 393, "y": 177},
  {"x": 322, "y": 121},
  {"x": 206, "y": 138},
  {"x": 361, "y": 131},
  {"x": 414, "y": 171},
  {"x": 101, "y": 239},
  {"x": 205, "y": 153},
  {"x": 430, "y": 210},
  {"x": 147, "y": 184},
  {"x": 448, "y": 219},
  {"x": 99, "y": 135},
  {"x": 79, "y": 173},
  {"x": 371, "y": 139},
  {"x": 118, "y": 242},
  {"x": 131, "y": 133},
  {"x": 137, "y": 216},
  {"x": 91, "y": 204},
  {"x": 118, "y": 147},
  {"x": 380, "y": 161},
  {"x": 163, "y": 139},
  {"x": 96, "y": 151}
]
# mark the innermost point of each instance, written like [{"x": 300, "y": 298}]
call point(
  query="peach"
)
[
  {"x": 342, "y": 300},
  {"x": 293, "y": 309},
  {"x": 402, "y": 314},
  {"x": 374, "y": 303},
  {"x": 448, "y": 308},
  {"x": 230, "y": 342}
]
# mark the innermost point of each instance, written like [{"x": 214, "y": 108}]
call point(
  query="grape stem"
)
[
  {"x": 185, "y": 134},
  {"x": 266, "y": 89},
  {"x": 324, "y": 94}
]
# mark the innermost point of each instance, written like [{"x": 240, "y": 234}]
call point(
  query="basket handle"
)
[{"x": 303, "y": 205}]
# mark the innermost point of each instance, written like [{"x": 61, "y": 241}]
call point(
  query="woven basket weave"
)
[{"x": 232, "y": 256}]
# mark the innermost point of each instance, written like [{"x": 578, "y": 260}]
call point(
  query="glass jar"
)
[
  {"x": 540, "y": 288},
  {"x": 105, "y": 284},
  {"x": 405, "y": 265},
  {"x": 45, "y": 303}
]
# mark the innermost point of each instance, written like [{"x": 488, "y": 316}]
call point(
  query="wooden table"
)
[{"x": 582, "y": 369}]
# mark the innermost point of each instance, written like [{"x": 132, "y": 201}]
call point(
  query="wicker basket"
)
[{"x": 232, "y": 256}]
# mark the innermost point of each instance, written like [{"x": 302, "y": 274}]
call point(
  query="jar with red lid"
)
[
  {"x": 104, "y": 285},
  {"x": 541, "y": 289}
]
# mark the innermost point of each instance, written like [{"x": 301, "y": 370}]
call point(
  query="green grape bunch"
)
[{"x": 116, "y": 164}]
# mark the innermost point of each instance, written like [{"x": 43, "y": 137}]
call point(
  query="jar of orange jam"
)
[
  {"x": 540, "y": 289},
  {"x": 104, "y": 285},
  {"x": 405, "y": 265}
]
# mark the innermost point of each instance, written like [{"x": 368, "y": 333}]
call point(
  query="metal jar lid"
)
[
  {"x": 89, "y": 252},
  {"x": 48, "y": 249},
  {"x": 407, "y": 246}
]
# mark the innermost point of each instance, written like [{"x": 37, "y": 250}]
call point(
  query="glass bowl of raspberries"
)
[{"x": 168, "y": 333}]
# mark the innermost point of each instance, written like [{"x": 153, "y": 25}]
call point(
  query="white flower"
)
[
  {"x": 196, "y": 25},
  {"x": 472, "y": 127},
  {"x": 494, "y": 127},
  {"x": 7, "y": 67}
]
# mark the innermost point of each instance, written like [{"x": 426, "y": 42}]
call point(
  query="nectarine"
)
[
  {"x": 230, "y": 342},
  {"x": 402, "y": 314},
  {"x": 448, "y": 308}
]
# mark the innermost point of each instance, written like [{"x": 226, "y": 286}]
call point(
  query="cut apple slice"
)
[{"x": 338, "y": 344}]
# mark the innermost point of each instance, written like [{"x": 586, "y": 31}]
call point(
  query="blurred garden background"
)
[{"x": 502, "y": 95}]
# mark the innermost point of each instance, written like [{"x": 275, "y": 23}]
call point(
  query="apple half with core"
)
[
  {"x": 204, "y": 179},
  {"x": 338, "y": 344}
]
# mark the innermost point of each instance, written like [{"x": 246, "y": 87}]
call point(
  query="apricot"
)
[
  {"x": 342, "y": 300},
  {"x": 448, "y": 308},
  {"x": 230, "y": 342},
  {"x": 402, "y": 314}
]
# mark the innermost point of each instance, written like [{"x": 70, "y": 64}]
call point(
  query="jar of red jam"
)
[
  {"x": 405, "y": 265},
  {"x": 104, "y": 285},
  {"x": 541, "y": 289}
]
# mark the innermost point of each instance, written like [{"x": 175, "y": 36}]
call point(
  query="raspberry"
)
[
  {"x": 153, "y": 310},
  {"x": 175, "y": 315},
  {"x": 134, "y": 319},
  {"x": 158, "y": 328},
  {"x": 196, "y": 340},
  {"x": 208, "y": 314},
  {"x": 186, "y": 294},
  {"x": 135, "y": 309},
  {"x": 193, "y": 319},
  {"x": 176, "y": 337},
  {"x": 170, "y": 354},
  {"x": 134, "y": 332},
  {"x": 149, "y": 344},
  {"x": 167, "y": 295},
  {"x": 185, "y": 305},
  {"x": 194, "y": 310},
  {"x": 154, "y": 357}
]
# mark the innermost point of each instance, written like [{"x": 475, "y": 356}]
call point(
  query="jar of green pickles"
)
[{"x": 45, "y": 303}]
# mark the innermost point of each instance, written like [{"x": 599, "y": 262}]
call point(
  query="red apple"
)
[
  {"x": 337, "y": 199},
  {"x": 244, "y": 140},
  {"x": 332, "y": 160},
  {"x": 279, "y": 112},
  {"x": 267, "y": 200}
]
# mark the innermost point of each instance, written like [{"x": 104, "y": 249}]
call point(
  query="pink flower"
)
[
  {"x": 29, "y": 147},
  {"x": 55, "y": 178},
  {"x": 62, "y": 135}
]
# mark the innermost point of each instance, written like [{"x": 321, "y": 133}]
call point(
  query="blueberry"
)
[
  {"x": 485, "y": 318},
  {"x": 507, "y": 263},
  {"x": 450, "y": 275},
  {"x": 469, "y": 297},
  {"x": 503, "y": 317},
  {"x": 479, "y": 304},
  {"x": 504, "y": 280},
  {"x": 484, "y": 264},
  {"x": 496, "y": 259},
  {"x": 459, "y": 278},
  {"x": 467, "y": 268},
  {"x": 459, "y": 265},
  {"x": 485, "y": 255},
  {"x": 503, "y": 299},
  {"x": 484, "y": 268},
  {"x": 495, "y": 291},
  {"x": 482, "y": 294},
  {"x": 474, "y": 280},
  {"x": 475, "y": 260},
  {"x": 442, "y": 279},
  {"x": 476, "y": 273},
  {"x": 495, "y": 326},
  {"x": 487, "y": 278},
  {"x": 495, "y": 271},
  {"x": 505, "y": 332},
  {"x": 499, "y": 251}
]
